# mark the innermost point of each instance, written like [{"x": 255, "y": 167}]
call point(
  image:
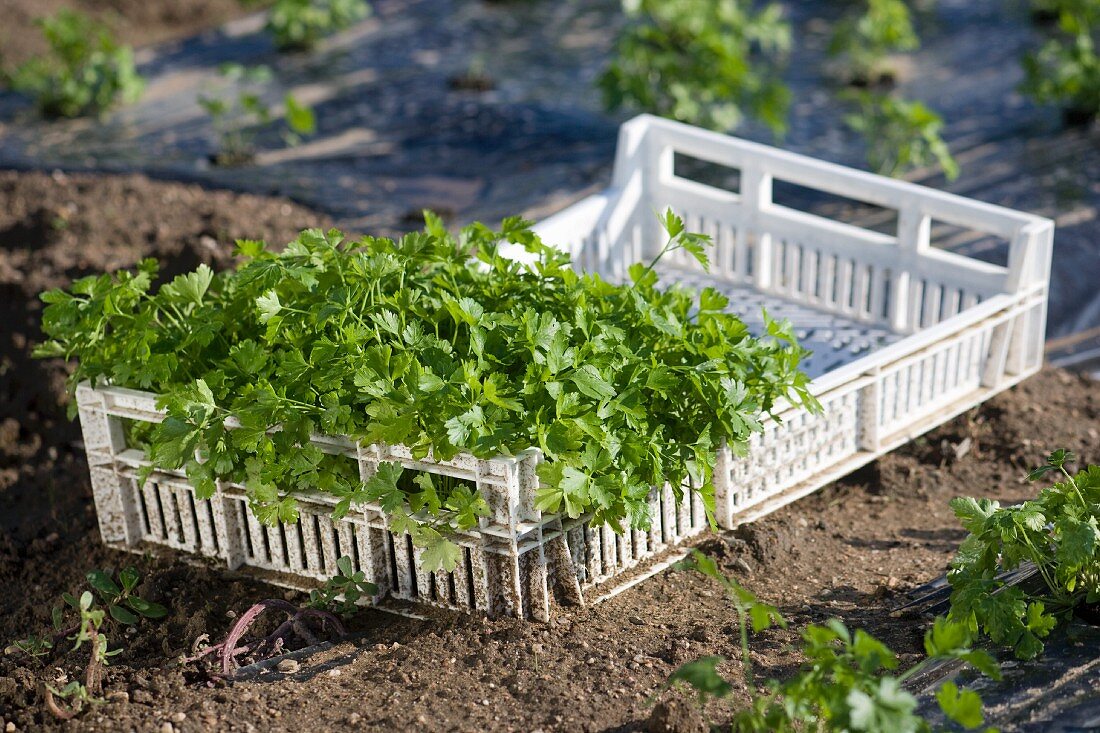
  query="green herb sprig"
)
[
  {"x": 848, "y": 682},
  {"x": 1057, "y": 532}
]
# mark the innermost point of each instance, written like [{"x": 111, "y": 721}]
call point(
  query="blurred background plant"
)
[
  {"x": 899, "y": 135},
  {"x": 716, "y": 63},
  {"x": 863, "y": 40},
  {"x": 237, "y": 111},
  {"x": 85, "y": 71},
  {"x": 298, "y": 25},
  {"x": 1065, "y": 70},
  {"x": 710, "y": 63}
]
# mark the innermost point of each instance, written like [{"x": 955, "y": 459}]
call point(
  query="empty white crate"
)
[{"x": 905, "y": 337}]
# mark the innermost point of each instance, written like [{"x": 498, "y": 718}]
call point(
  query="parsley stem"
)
[
  {"x": 1084, "y": 504},
  {"x": 664, "y": 250},
  {"x": 746, "y": 660}
]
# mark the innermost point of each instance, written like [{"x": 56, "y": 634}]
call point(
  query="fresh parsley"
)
[
  {"x": 439, "y": 343},
  {"x": 1057, "y": 532}
]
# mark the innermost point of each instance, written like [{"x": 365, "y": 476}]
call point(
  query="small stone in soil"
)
[
  {"x": 287, "y": 666},
  {"x": 179, "y": 717}
]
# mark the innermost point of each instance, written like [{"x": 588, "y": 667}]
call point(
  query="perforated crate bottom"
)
[{"x": 834, "y": 340}]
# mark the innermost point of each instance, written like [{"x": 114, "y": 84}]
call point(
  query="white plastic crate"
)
[
  {"x": 512, "y": 563},
  {"x": 905, "y": 337}
]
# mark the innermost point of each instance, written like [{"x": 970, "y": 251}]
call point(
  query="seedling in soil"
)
[
  {"x": 1058, "y": 533},
  {"x": 76, "y": 697},
  {"x": 475, "y": 79},
  {"x": 341, "y": 593},
  {"x": 120, "y": 603},
  {"x": 296, "y": 625},
  {"x": 847, "y": 683},
  {"x": 297, "y": 25},
  {"x": 34, "y": 646},
  {"x": 864, "y": 40},
  {"x": 702, "y": 62},
  {"x": 748, "y": 609},
  {"x": 900, "y": 135},
  {"x": 239, "y": 111},
  {"x": 85, "y": 72}
]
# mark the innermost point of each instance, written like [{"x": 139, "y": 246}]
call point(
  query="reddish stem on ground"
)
[{"x": 296, "y": 623}]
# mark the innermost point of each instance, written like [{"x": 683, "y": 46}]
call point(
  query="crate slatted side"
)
[
  {"x": 505, "y": 564},
  {"x": 785, "y": 454}
]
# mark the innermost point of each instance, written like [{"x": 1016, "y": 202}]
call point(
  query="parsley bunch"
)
[
  {"x": 1057, "y": 532},
  {"x": 441, "y": 344}
]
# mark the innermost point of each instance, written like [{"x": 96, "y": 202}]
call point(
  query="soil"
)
[
  {"x": 852, "y": 550},
  {"x": 134, "y": 22}
]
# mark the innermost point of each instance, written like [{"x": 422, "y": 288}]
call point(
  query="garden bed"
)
[{"x": 852, "y": 550}]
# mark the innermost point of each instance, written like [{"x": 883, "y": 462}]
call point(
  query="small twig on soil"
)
[{"x": 295, "y": 625}]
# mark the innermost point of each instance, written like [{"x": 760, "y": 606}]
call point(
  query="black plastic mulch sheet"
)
[
  {"x": 1057, "y": 692},
  {"x": 397, "y": 134}
]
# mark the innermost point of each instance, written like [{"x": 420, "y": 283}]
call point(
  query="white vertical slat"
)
[
  {"x": 184, "y": 499},
  {"x": 756, "y": 195},
  {"x": 277, "y": 541},
  {"x": 826, "y": 274},
  {"x": 914, "y": 237},
  {"x": 256, "y": 534},
  {"x": 329, "y": 555},
  {"x": 294, "y": 548},
  {"x": 157, "y": 526},
  {"x": 845, "y": 284},
  {"x": 877, "y": 308},
  {"x": 168, "y": 511},
  {"x": 862, "y": 290},
  {"x": 311, "y": 544},
  {"x": 930, "y": 314}
]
